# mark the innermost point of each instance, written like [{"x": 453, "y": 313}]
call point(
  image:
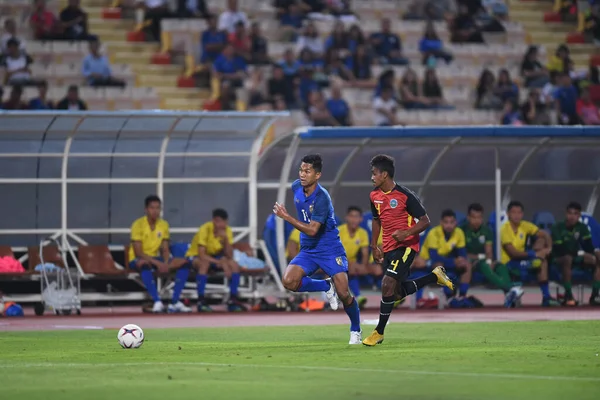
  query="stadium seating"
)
[{"x": 544, "y": 220}]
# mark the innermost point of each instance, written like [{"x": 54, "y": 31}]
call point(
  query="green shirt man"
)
[
  {"x": 569, "y": 241},
  {"x": 478, "y": 240}
]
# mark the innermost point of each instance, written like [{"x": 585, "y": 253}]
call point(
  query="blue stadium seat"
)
[
  {"x": 179, "y": 249},
  {"x": 544, "y": 220},
  {"x": 270, "y": 238},
  {"x": 460, "y": 217},
  {"x": 594, "y": 227},
  {"x": 367, "y": 222},
  {"x": 339, "y": 221}
]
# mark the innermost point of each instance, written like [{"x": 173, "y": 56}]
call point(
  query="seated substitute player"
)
[
  {"x": 150, "y": 250},
  {"x": 320, "y": 245},
  {"x": 212, "y": 247},
  {"x": 479, "y": 239},
  {"x": 514, "y": 235},
  {"x": 572, "y": 247},
  {"x": 445, "y": 246},
  {"x": 395, "y": 210},
  {"x": 356, "y": 244}
]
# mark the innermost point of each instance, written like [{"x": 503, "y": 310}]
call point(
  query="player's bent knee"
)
[
  {"x": 292, "y": 277},
  {"x": 388, "y": 286}
]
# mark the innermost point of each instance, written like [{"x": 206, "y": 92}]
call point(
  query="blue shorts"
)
[
  {"x": 212, "y": 265},
  {"x": 522, "y": 265},
  {"x": 330, "y": 264},
  {"x": 133, "y": 263}
]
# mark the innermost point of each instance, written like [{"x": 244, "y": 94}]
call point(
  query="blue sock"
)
[
  {"x": 201, "y": 283},
  {"x": 181, "y": 277},
  {"x": 313, "y": 285},
  {"x": 354, "y": 285},
  {"x": 449, "y": 293},
  {"x": 354, "y": 315},
  {"x": 463, "y": 289},
  {"x": 148, "y": 278},
  {"x": 233, "y": 284},
  {"x": 545, "y": 289},
  {"x": 419, "y": 294}
]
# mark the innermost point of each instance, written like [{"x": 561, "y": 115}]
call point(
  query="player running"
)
[
  {"x": 395, "y": 209},
  {"x": 320, "y": 245}
]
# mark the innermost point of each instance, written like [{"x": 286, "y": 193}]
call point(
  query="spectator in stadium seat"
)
[
  {"x": 360, "y": 64},
  {"x": 385, "y": 108},
  {"x": 486, "y": 98},
  {"x": 240, "y": 41},
  {"x": 592, "y": 24},
  {"x": 334, "y": 67},
  {"x": 510, "y": 113},
  {"x": 259, "y": 54},
  {"x": 573, "y": 248},
  {"x": 306, "y": 85},
  {"x": 149, "y": 251},
  {"x": 212, "y": 248},
  {"x": 559, "y": 62},
  {"x": 156, "y": 11},
  {"x": 498, "y": 14},
  {"x": 15, "y": 99},
  {"x": 41, "y": 102},
  {"x": 192, "y": 9},
  {"x": 71, "y": 101},
  {"x": 338, "y": 40},
  {"x": 387, "y": 45},
  {"x": 356, "y": 244},
  {"x": 212, "y": 41},
  {"x": 281, "y": 7},
  {"x": 44, "y": 24},
  {"x": 547, "y": 92},
  {"x": 533, "y": 111},
  {"x": 445, "y": 246},
  {"x": 75, "y": 22},
  {"x": 338, "y": 107},
  {"x": 464, "y": 27},
  {"x": 432, "y": 91},
  {"x": 291, "y": 22},
  {"x": 257, "y": 98},
  {"x": 10, "y": 32},
  {"x": 506, "y": 89},
  {"x": 432, "y": 48},
  {"x": 318, "y": 113},
  {"x": 535, "y": 74},
  {"x": 514, "y": 234},
  {"x": 16, "y": 64},
  {"x": 231, "y": 67},
  {"x": 587, "y": 111},
  {"x": 280, "y": 88},
  {"x": 227, "y": 100},
  {"x": 314, "y": 6},
  {"x": 231, "y": 16},
  {"x": 289, "y": 64},
  {"x": 310, "y": 39},
  {"x": 356, "y": 38},
  {"x": 566, "y": 101},
  {"x": 411, "y": 93},
  {"x": 96, "y": 68}
]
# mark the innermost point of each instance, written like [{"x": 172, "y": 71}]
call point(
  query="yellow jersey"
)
[
  {"x": 151, "y": 239},
  {"x": 517, "y": 238},
  {"x": 353, "y": 244},
  {"x": 294, "y": 238},
  {"x": 205, "y": 237},
  {"x": 436, "y": 240},
  {"x": 379, "y": 243}
]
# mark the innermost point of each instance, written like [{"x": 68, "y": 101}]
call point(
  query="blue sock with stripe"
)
[
  {"x": 181, "y": 277},
  {"x": 313, "y": 285},
  {"x": 148, "y": 278},
  {"x": 545, "y": 289},
  {"x": 449, "y": 293},
  {"x": 463, "y": 288},
  {"x": 354, "y": 315},
  {"x": 354, "y": 285},
  {"x": 234, "y": 283},
  {"x": 201, "y": 285}
]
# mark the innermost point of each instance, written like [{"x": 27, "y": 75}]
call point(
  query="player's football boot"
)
[
  {"x": 361, "y": 300},
  {"x": 569, "y": 301},
  {"x": 398, "y": 303},
  {"x": 442, "y": 278},
  {"x": 178, "y": 307},
  {"x": 158, "y": 307},
  {"x": 355, "y": 338},
  {"x": 334, "y": 303},
  {"x": 595, "y": 300},
  {"x": 373, "y": 339},
  {"x": 203, "y": 308},
  {"x": 513, "y": 296}
]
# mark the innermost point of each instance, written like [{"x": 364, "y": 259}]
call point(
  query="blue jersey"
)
[{"x": 317, "y": 207}]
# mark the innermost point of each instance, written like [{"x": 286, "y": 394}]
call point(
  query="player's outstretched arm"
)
[{"x": 309, "y": 229}]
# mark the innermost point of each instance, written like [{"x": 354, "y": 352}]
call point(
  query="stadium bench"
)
[{"x": 98, "y": 262}]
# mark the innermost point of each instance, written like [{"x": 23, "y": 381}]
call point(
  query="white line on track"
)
[{"x": 305, "y": 367}]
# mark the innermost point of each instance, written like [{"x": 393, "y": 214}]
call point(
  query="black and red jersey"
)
[{"x": 397, "y": 209}]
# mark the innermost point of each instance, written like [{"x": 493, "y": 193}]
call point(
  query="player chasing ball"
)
[
  {"x": 320, "y": 245},
  {"x": 395, "y": 210}
]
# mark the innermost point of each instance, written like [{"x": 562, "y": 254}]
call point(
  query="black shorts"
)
[{"x": 397, "y": 263}]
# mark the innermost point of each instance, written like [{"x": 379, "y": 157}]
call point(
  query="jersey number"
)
[
  {"x": 305, "y": 216},
  {"x": 378, "y": 208},
  {"x": 394, "y": 264}
]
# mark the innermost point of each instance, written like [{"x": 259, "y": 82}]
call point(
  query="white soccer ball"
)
[{"x": 130, "y": 336}]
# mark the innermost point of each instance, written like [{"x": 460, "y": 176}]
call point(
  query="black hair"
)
[
  {"x": 475, "y": 207},
  {"x": 12, "y": 42},
  {"x": 574, "y": 206},
  {"x": 514, "y": 204},
  {"x": 448, "y": 213},
  {"x": 354, "y": 208},
  {"x": 384, "y": 163},
  {"x": 315, "y": 160},
  {"x": 151, "y": 199},
  {"x": 73, "y": 88},
  {"x": 220, "y": 213}
]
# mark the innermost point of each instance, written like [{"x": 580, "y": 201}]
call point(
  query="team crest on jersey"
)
[
  {"x": 393, "y": 203},
  {"x": 311, "y": 208},
  {"x": 296, "y": 200},
  {"x": 521, "y": 236},
  {"x": 482, "y": 239},
  {"x": 159, "y": 235},
  {"x": 339, "y": 262},
  {"x": 576, "y": 235}
]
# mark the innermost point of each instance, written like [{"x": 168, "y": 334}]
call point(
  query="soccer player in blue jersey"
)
[{"x": 320, "y": 245}]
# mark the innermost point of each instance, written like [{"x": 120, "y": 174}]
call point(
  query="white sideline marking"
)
[
  {"x": 91, "y": 327},
  {"x": 306, "y": 367}
]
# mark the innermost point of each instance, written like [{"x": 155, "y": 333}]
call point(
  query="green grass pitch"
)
[{"x": 522, "y": 360}]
